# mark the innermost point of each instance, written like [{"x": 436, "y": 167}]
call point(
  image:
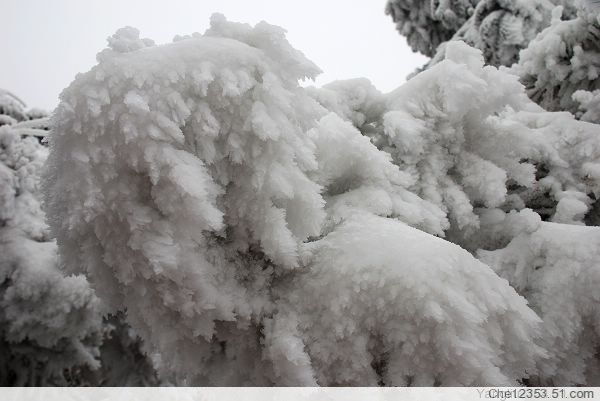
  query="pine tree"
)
[
  {"x": 50, "y": 324},
  {"x": 255, "y": 232}
]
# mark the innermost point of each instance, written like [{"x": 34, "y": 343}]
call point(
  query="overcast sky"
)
[{"x": 45, "y": 43}]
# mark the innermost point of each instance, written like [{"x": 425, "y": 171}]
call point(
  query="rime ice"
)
[{"x": 254, "y": 232}]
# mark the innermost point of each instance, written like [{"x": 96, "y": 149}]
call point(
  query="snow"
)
[
  {"x": 50, "y": 323},
  {"x": 499, "y": 28},
  {"x": 556, "y": 267},
  {"x": 588, "y": 105},
  {"x": 427, "y": 24},
  {"x": 254, "y": 231},
  {"x": 11, "y": 105},
  {"x": 356, "y": 177},
  {"x": 502, "y": 28},
  {"x": 562, "y": 60},
  {"x": 367, "y": 296},
  {"x": 210, "y": 131},
  {"x": 234, "y": 227}
]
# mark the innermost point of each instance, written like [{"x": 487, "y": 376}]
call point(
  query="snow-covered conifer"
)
[
  {"x": 471, "y": 140},
  {"x": 383, "y": 303},
  {"x": 558, "y": 40},
  {"x": 588, "y": 105},
  {"x": 50, "y": 325},
  {"x": 354, "y": 100},
  {"x": 502, "y": 28},
  {"x": 556, "y": 267},
  {"x": 11, "y": 106},
  {"x": 562, "y": 60},
  {"x": 195, "y": 190},
  {"x": 429, "y": 23},
  {"x": 252, "y": 236},
  {"x": 122, "y": 361}
]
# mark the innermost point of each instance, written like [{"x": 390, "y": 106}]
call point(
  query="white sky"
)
[{"x": 45, "y": 43}]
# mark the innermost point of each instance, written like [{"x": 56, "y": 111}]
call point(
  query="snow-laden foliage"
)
[
  {"x": 50, "y": 325},
  {"x": 477, "y": 148},
  {"x": 354, "y": 100},
  {"x": 369, "y": 312},
  {"x": 11, "y": 106},
  {"x": 468, "y": 128},
  {"x": 551, "y": 44},
  {"x": 589, "y": 105},
  {"x": 469, "y": 140},
  {"x": 563, "y": 59},
  {"x": 556, "y": 267},
  {"x": 13, "y": 112},
  {"x": 502, "y": 28},
  {"x": 52, "y": 330},
  {"x": 36, "y": 128},
  {"x": 429, "y": 23},
  {"x": 165, "y": 223},
  {"x": 445, "y": 128},
  {"x": 251, "y": 236},
  {"x": 358, "y": 178},
  {"x": 158, "y": 215},
  {"x": 33, "y": 122},
  {"x": 122, "y": 362}
]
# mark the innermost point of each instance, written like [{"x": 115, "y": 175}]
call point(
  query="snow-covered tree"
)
[
  {"x": 471, "y": 140},
  {"x": 563, "y": 60},
  {"x": 50, "y": 325},
  {"x": 252, "y": 236},
  {"x": 588, "y": 105},
  {"x": 51, "y": 329},
  {"x": 498, "y": 164},
  {"x": 121, "y": 359},
  {"x": 556, "y": 267},
  {"x": 477, "y": 147},
  {"x": 429, "y": 23},
  {"x": 33, "y": 122},
  {"x": 556, "y": 60},
  {"x": 12, "y": 109},
  {"x": 500, "y": 28}
]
